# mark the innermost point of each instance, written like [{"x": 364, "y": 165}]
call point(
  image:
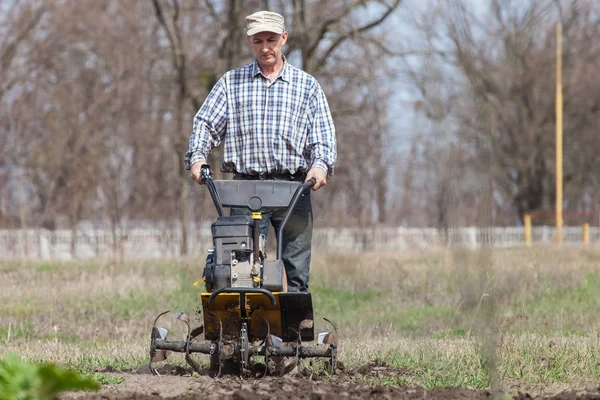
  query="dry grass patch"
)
[
  {"x": 524, "y": 319},
  {"x": 90, "y": 300}
]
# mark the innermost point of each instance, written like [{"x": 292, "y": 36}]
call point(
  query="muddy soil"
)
[{"x": 177, "y": 383}]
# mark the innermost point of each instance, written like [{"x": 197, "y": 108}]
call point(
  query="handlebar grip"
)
[{"x": 205, "y": 173}]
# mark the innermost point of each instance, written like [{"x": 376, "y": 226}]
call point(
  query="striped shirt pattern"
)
[{"x": 268, "y": 127}]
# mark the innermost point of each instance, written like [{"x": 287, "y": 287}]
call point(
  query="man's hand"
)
[
  {"x": 318, "y": 175},
  {"x": 195, "y": 171}
]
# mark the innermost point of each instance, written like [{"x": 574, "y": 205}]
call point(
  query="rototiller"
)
[{"x": 247, "y": 311}]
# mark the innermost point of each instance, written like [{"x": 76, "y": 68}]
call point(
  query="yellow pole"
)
[
  {"x": 586, "y": 233},
  {"x": 527, "y": 223},
  {"x": 559, "y": 137}
]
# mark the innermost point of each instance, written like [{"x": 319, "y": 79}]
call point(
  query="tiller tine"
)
[
  {"x": 279, "y": 327},
  {"x": 184, "y": 346},
  {"x": 155, "y": 354},
  {"x": 157, "y": 333},
  {"x": 159, "y": 346},
  {"x": 330, "y": 339}
]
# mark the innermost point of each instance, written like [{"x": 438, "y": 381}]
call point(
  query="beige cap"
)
[{"x": 264, "y": 21}]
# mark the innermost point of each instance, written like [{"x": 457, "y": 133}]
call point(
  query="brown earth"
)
[
  {"x": 176, "y": 383},
  {"x": 146, "y": 387}
]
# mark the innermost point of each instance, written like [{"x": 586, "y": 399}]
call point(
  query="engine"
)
[{"x": 229, "y": 263}]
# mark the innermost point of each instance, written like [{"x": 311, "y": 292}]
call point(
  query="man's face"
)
[{"x": 267, "y": 47}]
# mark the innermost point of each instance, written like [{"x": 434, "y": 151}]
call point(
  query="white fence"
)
[{"x": 166, "y": 243}]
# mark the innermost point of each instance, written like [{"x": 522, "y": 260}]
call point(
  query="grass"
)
[
  {"x": 520, "y": 319},
  {"x": 103, "y": 379},
  {"x": 562, "y": 310},
  {"x": 374, "y": 310},
  {"x": 527, "y": 363}
]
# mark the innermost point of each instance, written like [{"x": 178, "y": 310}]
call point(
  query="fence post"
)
[
  {"x": 527, "y": 223},
  {"x": 472, "y": 235},
  {"x": 586, "y": 233},
  {"x": 44, "y": 245}
]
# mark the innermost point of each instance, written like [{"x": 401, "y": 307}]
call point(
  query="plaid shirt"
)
[{"x": 268, "y": 127}]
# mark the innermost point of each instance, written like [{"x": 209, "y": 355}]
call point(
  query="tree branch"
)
[{"x": 348, "y": 35}]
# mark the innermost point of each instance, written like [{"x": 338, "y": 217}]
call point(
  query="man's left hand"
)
[{"x": 318, "y": 175}]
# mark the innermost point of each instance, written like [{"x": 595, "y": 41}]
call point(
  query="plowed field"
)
[{"x": 176, "y": 383}]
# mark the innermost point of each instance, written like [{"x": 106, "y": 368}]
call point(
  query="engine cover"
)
[{"x": 230, "y": 263}]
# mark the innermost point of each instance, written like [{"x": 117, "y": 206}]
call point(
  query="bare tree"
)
[
  {"x": 18, "y": 22},
  {"x": 172, "y": 20},
  {"x": 496, "y": 89},
  {"x": 335, "y": 41},
  {"x": 98, "y": 104}
]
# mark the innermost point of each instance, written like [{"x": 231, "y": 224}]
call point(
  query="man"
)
[{"x": 276, "y": 124}]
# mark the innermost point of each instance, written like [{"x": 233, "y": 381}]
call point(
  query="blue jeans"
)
[{"x": 297, "y": 237}]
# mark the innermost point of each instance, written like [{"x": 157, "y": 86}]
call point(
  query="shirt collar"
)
[{"x": 284, "y": 74}]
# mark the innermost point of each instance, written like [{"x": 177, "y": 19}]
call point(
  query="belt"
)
[{"x": 298, "y": 176}]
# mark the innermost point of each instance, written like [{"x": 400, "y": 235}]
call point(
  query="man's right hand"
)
[{"x": 195, "y": 171}]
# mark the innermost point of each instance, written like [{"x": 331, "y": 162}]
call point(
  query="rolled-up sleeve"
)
[
  {"x": 321, "y": 141},
  {"x": 209, "y": 126}
]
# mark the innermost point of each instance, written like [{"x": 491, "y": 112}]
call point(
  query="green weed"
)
[
  {"x": 103, "y": 379},
  {"x": 22, "y": 380}
]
